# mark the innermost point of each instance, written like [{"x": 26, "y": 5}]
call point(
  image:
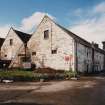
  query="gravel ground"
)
[{"x": 86, "y": 91}]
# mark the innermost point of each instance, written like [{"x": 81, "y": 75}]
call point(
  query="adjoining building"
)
[
  {"x": 14, "y": 42},
  {"x": 1, "y": 43}
]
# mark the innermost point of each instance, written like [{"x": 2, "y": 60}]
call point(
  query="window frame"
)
[
  {"x": 54, "y": 51},
  {"x": 11, "y": 42},
  {"x": 46, "y": 34}
]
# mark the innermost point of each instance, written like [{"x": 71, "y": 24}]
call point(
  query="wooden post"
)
[{"x": 25, "y": 51}]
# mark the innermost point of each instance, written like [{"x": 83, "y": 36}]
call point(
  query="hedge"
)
[
  {"x": 23, "y": 75},
  {"x": 19, "y": 75}
]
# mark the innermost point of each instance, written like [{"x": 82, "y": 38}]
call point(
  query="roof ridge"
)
[
  {"x": 76, "y": 37},
  {"x": 23, "y": 36},
  {"x": 22, "y": 32}
]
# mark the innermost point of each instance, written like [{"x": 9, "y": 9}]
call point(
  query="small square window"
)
[
  {"x": 11, "y": 42},
  {"x": 46, "y": 34},
  {"x": 54, "y": 51},
  {"x": 33, "y": 53}
]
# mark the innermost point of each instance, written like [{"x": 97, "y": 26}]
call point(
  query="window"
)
[
  {"x": 5, "y": 55},
  {"x": 46, "y": 34},
  {"x": 54, "y": 51},
  {"x": 33, "y": 53},
  {"x": 11, "y": 42},
  {"x": 25, "y": 59},
  {"x": 87, "y": 54}
]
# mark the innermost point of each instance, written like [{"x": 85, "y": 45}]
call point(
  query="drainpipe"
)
[
  {"x": 93, "y": 58},
  {"x": 76, "y": 59},
  {"x": 51, "y": 37}
]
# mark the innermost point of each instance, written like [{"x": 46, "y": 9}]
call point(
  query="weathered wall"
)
[
  {"x": 17, "y": 61},
  {"x": 98, "y": 61},
  {"x": 9, "y": 50},
  {"x": 65, "y": 46},
  {"x": 59, "y": 40},
  {"x": 84, "y": 58}
]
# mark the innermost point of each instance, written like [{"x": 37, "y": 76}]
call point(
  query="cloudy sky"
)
[{"x": 86, "y": 18}]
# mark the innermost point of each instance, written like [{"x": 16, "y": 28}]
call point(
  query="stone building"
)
[
  {"x": 14, "y": 41},
  {"x": 98, "y": 57},
  {"x": 53, "y": 46}
]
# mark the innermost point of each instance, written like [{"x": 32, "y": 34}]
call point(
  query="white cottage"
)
[{"x": 55, "y": 47}]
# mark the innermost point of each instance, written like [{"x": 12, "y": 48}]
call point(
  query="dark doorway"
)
[{"x": 87, "y": 68}]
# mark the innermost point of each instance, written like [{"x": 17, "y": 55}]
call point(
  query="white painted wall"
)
[
  {"x": 60, "y": 40},
  {"x": 66, "y": 47},
  {"x": 8, "y": 50}
]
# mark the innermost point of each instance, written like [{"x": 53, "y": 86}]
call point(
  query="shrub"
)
[
  {"x": 69, "y": 74},
  {"x": 24, "y": 75},
  {"x": 19, "y": 75}
]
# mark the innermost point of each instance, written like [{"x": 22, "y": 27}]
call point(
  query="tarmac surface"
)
[{"x": 86, "y": 91}]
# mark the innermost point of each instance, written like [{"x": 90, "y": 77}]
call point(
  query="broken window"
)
[{"x": 46, "y": 34}]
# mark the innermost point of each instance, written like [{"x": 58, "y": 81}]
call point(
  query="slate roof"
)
[
  {"x": 1, "y": 41},
  {"x": 81, "y": 40},
  {"x": 77, "y": 38},
  {"x": 23, "y": 36}
]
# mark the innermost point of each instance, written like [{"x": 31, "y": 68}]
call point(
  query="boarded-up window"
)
[
  {"x": 11, "y": 42},
  {"x": 46, "y": 34}
]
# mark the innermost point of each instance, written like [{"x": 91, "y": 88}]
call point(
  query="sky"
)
[{"x": 86, "y": 18}]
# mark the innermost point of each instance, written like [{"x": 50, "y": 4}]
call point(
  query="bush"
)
[
  {"x": 24, "y": 75},
  {"x": 17, "y": 75},
  {"x": 21, "y": 75},
  {"x": 69, "y": 74}
]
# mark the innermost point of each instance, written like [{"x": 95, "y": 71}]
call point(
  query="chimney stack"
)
[
  {"x": 103, "y": 45},
  {"x": 95, "y": 45}
]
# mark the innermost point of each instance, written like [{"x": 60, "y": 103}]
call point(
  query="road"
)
[{"x": 86, "y": 91}]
